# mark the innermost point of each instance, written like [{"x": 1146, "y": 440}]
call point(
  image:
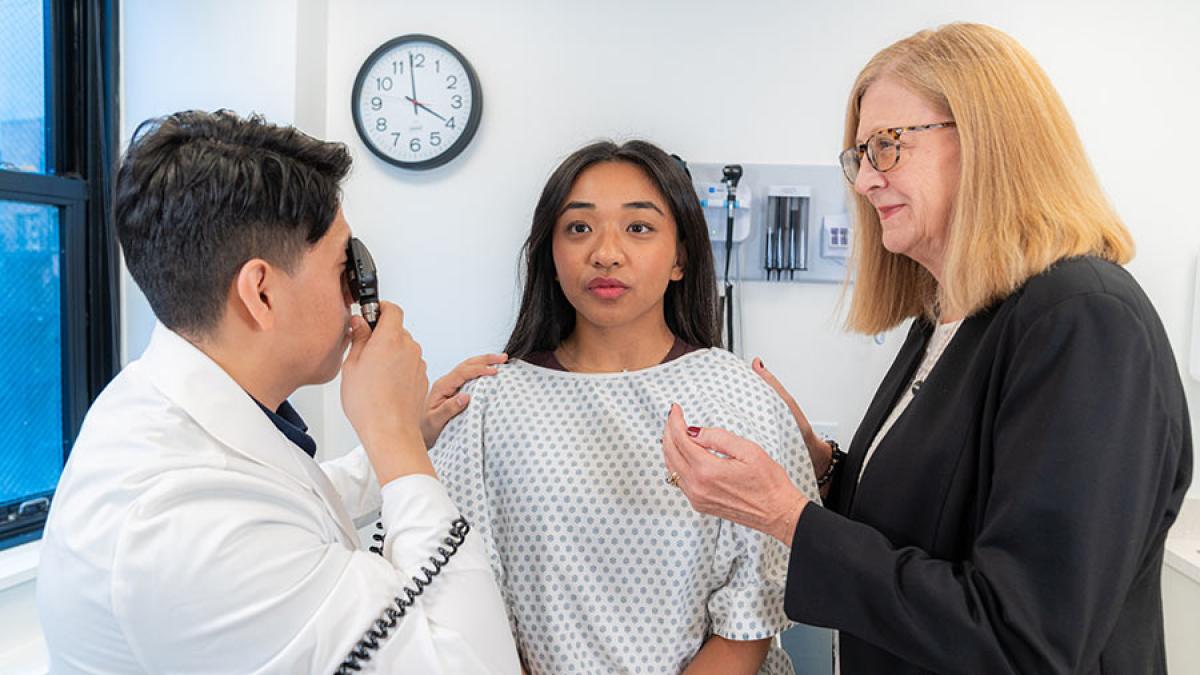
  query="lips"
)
[
  {"x": 886, "y": 212},
  {"x": 607, "y": 288}
]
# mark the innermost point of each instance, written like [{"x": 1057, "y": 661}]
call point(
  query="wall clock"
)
[{"x": 416, "y": 102}]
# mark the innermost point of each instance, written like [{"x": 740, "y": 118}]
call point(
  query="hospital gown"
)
[{"x": 604, "y": 567}]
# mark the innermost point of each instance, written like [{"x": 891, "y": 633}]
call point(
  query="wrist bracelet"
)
[{"x": 834, "y": 460}]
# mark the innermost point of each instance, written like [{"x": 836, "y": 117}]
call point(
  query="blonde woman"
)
[{"x": 1003, "y": 505}]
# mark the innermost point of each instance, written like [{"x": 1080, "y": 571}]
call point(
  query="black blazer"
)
[{"x": 1013, "y": 519}]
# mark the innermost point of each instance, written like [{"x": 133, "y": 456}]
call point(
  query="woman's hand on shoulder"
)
[
  {"x": 742, "y": 484},
  {"x": 818, "y": 449},
  {"x": 446, "y": 398}
]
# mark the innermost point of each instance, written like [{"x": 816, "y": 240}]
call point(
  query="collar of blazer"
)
[{"x": 220, "y": 406}]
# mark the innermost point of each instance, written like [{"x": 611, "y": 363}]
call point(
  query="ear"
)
[
  {"x": 680, "y": 262},
  {"x": 253, "y": 294}
]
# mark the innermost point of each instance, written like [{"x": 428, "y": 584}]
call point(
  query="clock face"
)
[{"x": 417, "y": 102}]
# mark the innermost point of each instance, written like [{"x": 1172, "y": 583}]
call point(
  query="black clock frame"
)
[{"x": 474, "y": 115}]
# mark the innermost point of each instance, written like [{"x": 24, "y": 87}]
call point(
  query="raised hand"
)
[{"x": 384, "y": 387}]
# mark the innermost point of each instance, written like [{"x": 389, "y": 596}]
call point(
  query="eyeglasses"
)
[{"x": 882, "y": 149}]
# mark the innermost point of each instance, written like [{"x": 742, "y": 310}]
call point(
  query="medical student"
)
[
  {"x": 604, "y": 566},
  {"x": 192, "y": 531}
]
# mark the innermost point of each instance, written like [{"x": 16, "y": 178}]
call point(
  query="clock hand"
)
[
  {"x": 413, "y": 77},
  {"x": 427, "y": 109}
]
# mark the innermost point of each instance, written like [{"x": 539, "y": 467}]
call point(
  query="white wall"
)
[
  {"x": 265, "y": 56},
  {"x": 22, "y": 649},
  {"x": 556, "y": 75},
  {"x": 182, "y": 56}
]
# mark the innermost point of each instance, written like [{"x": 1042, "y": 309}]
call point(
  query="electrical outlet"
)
[{"x": 835, "y": 236}]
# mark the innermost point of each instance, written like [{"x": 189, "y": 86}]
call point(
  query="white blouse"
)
[{"x": 943, "y": 333}]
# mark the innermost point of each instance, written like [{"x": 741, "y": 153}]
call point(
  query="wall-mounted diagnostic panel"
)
[{"x": 789, "y": 221}]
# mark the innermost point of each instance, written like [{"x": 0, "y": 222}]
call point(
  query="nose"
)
[
  {"x": 868, "y": 178},
  {"x": 608, "y": 251}
]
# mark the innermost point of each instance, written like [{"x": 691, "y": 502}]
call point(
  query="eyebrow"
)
[
  {"x": 627, "y": 205},
  {"x": 643, "y": 205}
]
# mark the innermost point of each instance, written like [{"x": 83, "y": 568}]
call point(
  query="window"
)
[{"x": 58, "y": 337}]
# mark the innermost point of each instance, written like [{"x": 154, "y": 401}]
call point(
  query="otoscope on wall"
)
[{"x": 730, "y": 175}]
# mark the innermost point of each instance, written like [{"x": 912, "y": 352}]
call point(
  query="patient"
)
[{"x": 557, "y": 462}]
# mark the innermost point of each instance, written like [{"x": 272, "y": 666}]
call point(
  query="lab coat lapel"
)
[{"x": 225, "y": 411}]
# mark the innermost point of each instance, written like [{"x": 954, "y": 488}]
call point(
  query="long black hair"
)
[{"x": 546, "y": 318}]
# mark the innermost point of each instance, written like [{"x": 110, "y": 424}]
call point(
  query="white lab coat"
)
[{"x": 189, "y": 535}]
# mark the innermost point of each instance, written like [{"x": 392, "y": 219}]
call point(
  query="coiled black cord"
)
[{"x": 391, "y": 615}]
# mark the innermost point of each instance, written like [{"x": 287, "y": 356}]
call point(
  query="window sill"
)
[
  {"x": 1183, "y": 541},
  {"x": 1183, "y": 555},
  {"x": 19, "y": 564}
]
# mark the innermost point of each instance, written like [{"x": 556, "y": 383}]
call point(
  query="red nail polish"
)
[{"x": 693, "y": 431}]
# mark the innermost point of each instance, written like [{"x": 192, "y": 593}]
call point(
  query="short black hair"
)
[
  {"x": 546, "y": 317},
  {"x": 199, "y": 194}
]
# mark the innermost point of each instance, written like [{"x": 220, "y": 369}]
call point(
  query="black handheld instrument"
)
[
  {"x": 363, "y": 280},
  {"x": 730, "y": 175}
]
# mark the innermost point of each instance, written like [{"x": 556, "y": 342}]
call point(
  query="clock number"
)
[
  {"x": 381, "y": 124},
  {"x": 376, "y": 103},
  {"x": 383, "y": 83},
  {"x": 451, "y": 82},
  {"x": 435, "y": 138},
  {"x": 437, "y": 66},
  {"x": 397, "y": 67},
  {"x": 418, "y": 60},
  {"x": 395, "y": 138},
  {"x": 450, "y": 123},
  {"x": 456, "y": 101},
  {"x": 415, "y": 145}
]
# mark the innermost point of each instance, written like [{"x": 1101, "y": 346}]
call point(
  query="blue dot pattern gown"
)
[{"x": 604, "y": 567}]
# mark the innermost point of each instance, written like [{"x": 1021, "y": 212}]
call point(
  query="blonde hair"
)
[{"x": 1027, "y": 194}]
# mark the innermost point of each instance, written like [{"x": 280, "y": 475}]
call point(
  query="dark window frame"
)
[{"x": 81, "y": 143}]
